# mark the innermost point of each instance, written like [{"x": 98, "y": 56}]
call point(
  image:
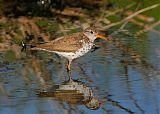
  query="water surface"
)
[{"x": 124, "y": 80}]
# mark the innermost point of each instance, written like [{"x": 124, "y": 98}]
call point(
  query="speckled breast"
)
[
  {"x": 86, "y": 47},
  {"x": 80, "y": 52}
]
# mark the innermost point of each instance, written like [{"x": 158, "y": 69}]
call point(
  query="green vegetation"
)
[
  {"x": 3, "y": 25},
  {"x": 42, "y": 23},
  {"x": 10, "y": 56}
]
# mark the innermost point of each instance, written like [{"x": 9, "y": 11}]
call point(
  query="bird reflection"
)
[{"x": 73, "y": 92}]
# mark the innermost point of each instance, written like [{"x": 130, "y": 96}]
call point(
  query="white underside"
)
[{"x": 73, "y": 55}]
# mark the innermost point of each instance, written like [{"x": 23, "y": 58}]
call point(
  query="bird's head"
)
[
  {"x": 92, "y": 34},
  {"x": 93, "y": 104}
]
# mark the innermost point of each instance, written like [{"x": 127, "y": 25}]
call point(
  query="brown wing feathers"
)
[{"x": 64, "y": 44}]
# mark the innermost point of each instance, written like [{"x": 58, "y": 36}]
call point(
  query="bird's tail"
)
[{"x": 25, "y": 46}]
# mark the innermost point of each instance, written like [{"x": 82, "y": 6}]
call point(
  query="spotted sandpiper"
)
[
  {"x": 72, "y": 46},
  {"x": 73, "y": 92}
]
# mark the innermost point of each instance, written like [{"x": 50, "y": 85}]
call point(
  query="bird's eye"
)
[{"x": 91, "y": 32}]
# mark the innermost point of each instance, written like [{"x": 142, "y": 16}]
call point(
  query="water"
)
[{"x": 121, "y": 80}]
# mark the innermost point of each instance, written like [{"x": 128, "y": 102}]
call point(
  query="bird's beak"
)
[{"x": 103, "y": 37}]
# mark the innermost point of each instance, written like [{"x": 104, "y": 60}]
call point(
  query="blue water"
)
[{"x": 122, "y": 87}]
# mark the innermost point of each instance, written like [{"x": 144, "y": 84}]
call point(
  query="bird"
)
[
  {"x": 71, "y": 46},
  {"x": 73, "y": 92}
]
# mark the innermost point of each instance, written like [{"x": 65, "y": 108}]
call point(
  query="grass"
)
[{"x": 42, "y": 23}]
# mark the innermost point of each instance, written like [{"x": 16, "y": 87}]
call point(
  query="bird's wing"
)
[{"x": 64, "y": 44}]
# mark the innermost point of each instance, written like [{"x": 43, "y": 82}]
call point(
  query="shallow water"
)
[{"x": 113, "y": 75}]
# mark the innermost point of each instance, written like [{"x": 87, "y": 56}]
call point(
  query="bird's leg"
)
[
  {"x": 69, "y": 65},
  {"x": 69, "y": 75},
  {"x": 69, "y": 69}
]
